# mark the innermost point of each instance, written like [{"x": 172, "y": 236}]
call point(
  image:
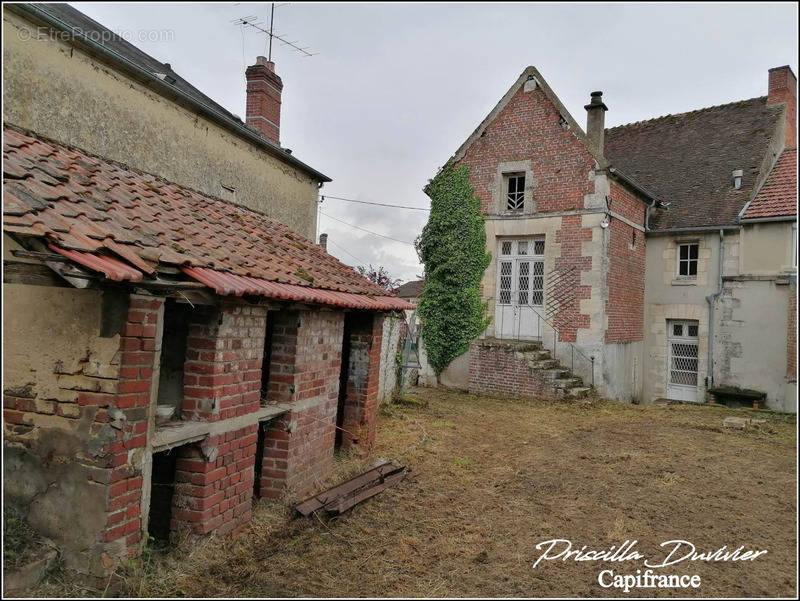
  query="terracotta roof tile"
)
[
  {"x": 125, "y": 223},
  {"x": 778, "y": 195},
  {"x": 688, "y": 160}
]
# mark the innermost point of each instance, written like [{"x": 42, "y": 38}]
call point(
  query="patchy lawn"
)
[{"x": 492, "y": 478}]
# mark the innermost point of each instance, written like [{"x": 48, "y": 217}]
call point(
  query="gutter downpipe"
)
[{"x": 712, "y": 300}]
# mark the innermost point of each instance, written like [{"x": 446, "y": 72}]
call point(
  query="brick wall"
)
[
  {"x": 214, "y": 483},
  {"x": 222, "y": 373},
  {"x": 500, "y": 369},
  {"x": 571, "y": 237},
  {"x": 363, "y": 375},
  {"x": 528, "y": 128},
  {"x": 626, "y": 269},
  {"x": 304, "y": 370}
]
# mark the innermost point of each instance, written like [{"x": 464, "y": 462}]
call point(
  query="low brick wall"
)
[
  {"x": 214, "y": 483},
  {"x": 498, "y": 368}
]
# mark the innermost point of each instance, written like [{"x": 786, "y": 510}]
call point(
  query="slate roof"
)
[
  {"x": 67, "y": 18},
  {"x": 778, "y": 196},
  {"x": 688, "y": 159},
  {"x": 125, "y": 224},
  {"x": 411, "y": 289}
]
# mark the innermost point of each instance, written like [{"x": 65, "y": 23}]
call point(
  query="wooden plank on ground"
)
[{"x": 350, "y": 488}]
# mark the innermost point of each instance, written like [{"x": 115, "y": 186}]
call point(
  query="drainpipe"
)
[{"x": 712, "y": 299}]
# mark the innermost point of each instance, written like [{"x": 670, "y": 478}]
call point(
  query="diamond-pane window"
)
[
  {"x": 538, "y": 247},
  {"x": 522, "y": 247},
  {"x": 505, "y": 248}
]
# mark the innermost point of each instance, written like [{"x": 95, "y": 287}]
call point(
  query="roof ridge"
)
[{"x": 700, "y": 110}]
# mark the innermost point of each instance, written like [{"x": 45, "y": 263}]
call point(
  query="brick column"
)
[
  {"x": 363, "y": 374},
  {"x": 304, "y": 370},
  {"x": 123, "y": 418},
  {"x": 222, "y": 373}
]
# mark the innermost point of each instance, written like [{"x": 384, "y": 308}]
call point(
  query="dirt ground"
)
[{"x": 493, "y": 478}]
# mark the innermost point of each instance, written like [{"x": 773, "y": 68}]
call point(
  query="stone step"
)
[
  {"x": 567, "y": 383},
  {"x": 556, "y": 373},
  {"x": 579, "y": 392},
  {"x": 546, "y": 364}
]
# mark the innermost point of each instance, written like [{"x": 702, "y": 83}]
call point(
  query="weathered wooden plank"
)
[
  {"x": 17, "y": 272},
  {"x": 350, "y": 487},
  {"x": 344, "y": 503}
]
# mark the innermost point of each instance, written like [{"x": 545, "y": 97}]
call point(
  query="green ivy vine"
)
[{"x": 452, "y": 247}]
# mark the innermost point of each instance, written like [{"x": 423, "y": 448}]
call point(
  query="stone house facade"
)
[
  {"x": 169, "y": 352},
  {"x": 622, "y": 257}
]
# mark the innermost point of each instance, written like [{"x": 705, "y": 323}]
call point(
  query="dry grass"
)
[{"x": 492, "y": 478}]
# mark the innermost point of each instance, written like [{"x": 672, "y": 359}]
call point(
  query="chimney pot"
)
[
  {"x": 782, "y": 88},
  {"x": 264, "y": 89},
  {"x": 595, "y": 121},
  {"x": 323, "y": 241}
]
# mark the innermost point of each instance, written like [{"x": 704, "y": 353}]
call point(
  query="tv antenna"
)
[{"x": 253, "y": 21}]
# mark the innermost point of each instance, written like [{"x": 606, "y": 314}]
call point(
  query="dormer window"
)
[{"x": 515, "y": 191}]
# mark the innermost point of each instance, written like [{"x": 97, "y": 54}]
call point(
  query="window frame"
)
[
  {"x": 688, "y": 260},
  {"x": 507, "y": 178}
]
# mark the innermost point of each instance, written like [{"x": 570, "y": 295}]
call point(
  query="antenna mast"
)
[{"x": 252, "y": 21}]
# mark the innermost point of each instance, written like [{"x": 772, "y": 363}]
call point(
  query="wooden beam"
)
[{"x": 17, "y": 272}]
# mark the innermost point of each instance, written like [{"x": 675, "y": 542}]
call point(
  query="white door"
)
[
  {"x": 683, "y": 360},
  {"x": 520, "y": 288}
]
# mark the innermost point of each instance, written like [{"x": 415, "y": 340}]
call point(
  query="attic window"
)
[
  {"x": 736, "y": 178},
  {"x": 563, "y": 122},
  {"x": 515, "y": 191}
]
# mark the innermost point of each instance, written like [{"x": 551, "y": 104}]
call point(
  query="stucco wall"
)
[
  {"x": 752, "y": 324},
  {"x": 60, "y": 92},
  {"x": 391, "y": 342},
  {"x": 670, "y": 297},
  {"x": 52, "y": 351},
  {"x": 766, "y": 248}
]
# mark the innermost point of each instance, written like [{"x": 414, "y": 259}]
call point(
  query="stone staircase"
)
[{"x": 565, "y": 384}]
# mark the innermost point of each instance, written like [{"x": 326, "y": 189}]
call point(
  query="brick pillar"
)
[
  {"x": 304, "y": 370},
  {"x": 124, "y": 417},
  {"x": 363, "y": 374},
  {"x": 222, "y": 373}
]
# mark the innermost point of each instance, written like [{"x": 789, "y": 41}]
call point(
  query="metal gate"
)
[
  {"x": 520, "y": 288},
  {"x": 683, "y": 360}
]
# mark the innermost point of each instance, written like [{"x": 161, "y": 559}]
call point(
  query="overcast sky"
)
[{"x": 396, "y": 88}]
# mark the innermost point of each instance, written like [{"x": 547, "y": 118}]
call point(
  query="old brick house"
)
[
  {"x": 606, "y": 248},
  {"x": 171, "y": 347}
]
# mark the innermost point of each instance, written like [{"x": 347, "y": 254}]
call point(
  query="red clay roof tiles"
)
[
  {"x": 778, "y": 196},
  {"x": 125, "y": 223}
]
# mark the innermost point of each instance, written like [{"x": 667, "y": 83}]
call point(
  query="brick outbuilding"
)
[{"x": 128, "y": 296}]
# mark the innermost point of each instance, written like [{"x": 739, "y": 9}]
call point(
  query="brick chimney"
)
[
  {"x": 264, "y": 89},
  {"x": 783, "y": 89},
  {"x": 595, "y": 121}
]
